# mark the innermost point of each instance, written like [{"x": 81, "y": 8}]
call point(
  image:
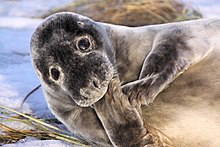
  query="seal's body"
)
[
  {"x": 188, "y": 110},
  {"x": 76, "y": 58}
]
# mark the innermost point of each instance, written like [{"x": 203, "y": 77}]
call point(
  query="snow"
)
[
  {"x": 28, "y": 8},
  {"x": 209, "y": 8},
  {"x": 32, "y": 142},
  {"x": 18, "y": 22},
  {"x": 17, "y": 76}
]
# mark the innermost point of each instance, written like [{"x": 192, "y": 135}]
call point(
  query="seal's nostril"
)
[{"x": 95, "y": 84}]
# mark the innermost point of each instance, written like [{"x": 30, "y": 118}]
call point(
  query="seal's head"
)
[{"x": 73, "y": 55}]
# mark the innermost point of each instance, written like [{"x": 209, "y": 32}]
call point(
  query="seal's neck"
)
[
  {"x": 131, "y": 46},
  {"x": 130, "y": 38}
]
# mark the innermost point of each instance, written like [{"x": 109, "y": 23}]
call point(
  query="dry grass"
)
[
  {"x": 132, "y": 12},
  {"x": 41, "y": 129}
]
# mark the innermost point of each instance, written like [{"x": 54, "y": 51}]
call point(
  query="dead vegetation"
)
[
  {"x": 131, "y": 12},
  {"x": 40, "y": 128}
]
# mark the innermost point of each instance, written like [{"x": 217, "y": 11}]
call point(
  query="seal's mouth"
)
[
  {"x": 92, "y": 93},
  {"x": 86, "y": 102},
  {"x": 88, "y": 97}
]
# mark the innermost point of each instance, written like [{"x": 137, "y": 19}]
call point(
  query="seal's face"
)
[{"x": 71, "y": 55}]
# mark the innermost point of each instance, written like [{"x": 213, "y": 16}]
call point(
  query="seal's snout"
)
[
  {"x": 98, "y": 84},
  {"x": 95, "y": 90}
]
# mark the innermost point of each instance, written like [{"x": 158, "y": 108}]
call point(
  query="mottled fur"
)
[{"x": 147, "y": 60}]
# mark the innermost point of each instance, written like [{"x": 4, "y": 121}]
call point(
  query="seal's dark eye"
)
[
  {"x": 55, "y": 73},
  {"x": 84, "y": 44}
]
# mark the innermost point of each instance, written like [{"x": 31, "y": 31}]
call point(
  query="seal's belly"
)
[{"x": 188, "y": 111}]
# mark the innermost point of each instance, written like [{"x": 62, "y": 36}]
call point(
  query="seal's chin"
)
[{"x": 88, "y": 96}]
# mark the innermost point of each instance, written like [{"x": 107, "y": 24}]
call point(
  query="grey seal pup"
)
[{"x": 76, "y": 59}]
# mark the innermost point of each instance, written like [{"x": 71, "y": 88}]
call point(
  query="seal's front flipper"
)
[
  {"x": 122, "y": 123},
  {"x": 170, "y": 56}
]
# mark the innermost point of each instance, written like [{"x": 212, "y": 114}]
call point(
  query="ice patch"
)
[
  {"x": 209, "y": 9},
  {"x": 28, "y": 8},
  {"x": 19, "y": 22},
  {"x": 32, "y": 142}
]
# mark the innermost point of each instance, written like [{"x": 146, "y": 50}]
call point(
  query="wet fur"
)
[{"x": 148, "y": 59}]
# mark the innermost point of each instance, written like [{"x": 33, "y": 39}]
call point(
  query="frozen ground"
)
[
  {"x": 27, "y": 8},
  {"x": 210, "y": 8},
  {"x": 32, "y": 142},
  {"x": 17, "y": 76}
]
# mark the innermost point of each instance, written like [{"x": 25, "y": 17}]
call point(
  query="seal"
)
[{"x": 76, "y": 59}]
